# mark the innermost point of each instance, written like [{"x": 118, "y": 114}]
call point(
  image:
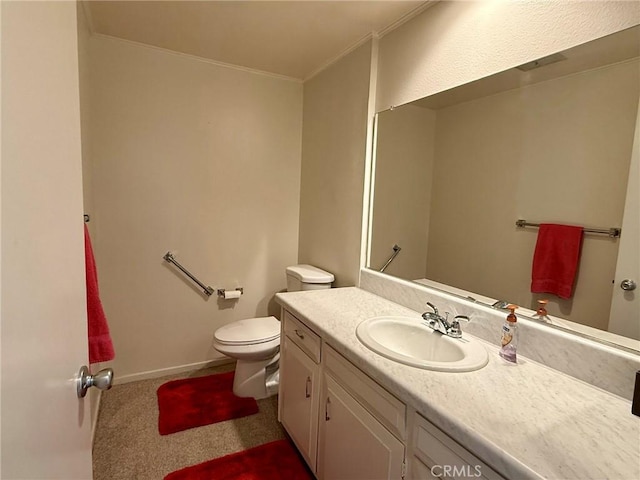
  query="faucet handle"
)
[{"x": 455, "y": 331}]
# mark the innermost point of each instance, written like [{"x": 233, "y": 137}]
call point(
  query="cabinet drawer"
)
[
  {"x": 444, "y": 457},
  {"x": 302, "y": 336},
  {"x": 390, "y": 411}
]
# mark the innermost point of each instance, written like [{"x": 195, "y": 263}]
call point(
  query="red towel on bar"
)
[
  {"x": 100, "y": 345},
  {"x": 555, "y": 260}
]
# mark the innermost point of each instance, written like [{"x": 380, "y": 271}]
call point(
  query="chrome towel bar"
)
[
  {"x": 171, "y": 259},
  {"x": 612, "y": 232}
]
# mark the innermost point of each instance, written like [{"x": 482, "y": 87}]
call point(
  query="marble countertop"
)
[{"x": 524, "y": 420}]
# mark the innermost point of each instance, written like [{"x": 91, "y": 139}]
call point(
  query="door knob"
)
[
  {"x": 628, "y": 284},
  {"x": 101, "y": 380}
]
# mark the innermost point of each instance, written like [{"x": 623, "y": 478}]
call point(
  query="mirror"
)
[{"x": 547, "y": 142}]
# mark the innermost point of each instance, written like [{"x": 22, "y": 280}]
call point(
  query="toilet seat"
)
[{"x": 249, "y": 331}]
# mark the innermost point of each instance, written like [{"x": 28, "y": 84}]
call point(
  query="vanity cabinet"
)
[
  {"x": 347, "y": 426},
  {"x": 354, "y": 441},
  {"x": 435, "y": 455},
  {"x": 350, "y": 436},
  {"x": 299, "y": 386}
]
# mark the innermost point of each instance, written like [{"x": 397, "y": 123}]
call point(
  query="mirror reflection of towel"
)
[
  {"x": 100, "y": 345},
  {"x": 555, "y": 260}
]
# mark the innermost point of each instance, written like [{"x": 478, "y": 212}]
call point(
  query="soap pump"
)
[
  {"x": 542, "y": 309},
  {"x": 509, "y": 336}
]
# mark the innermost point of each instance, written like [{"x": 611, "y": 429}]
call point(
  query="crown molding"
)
[
  {"x": 373, "y": 35},
  {"x": 405, "y": 18},
  {"x": 341, "y": 55},
  {"x": 199, "y": 59}
]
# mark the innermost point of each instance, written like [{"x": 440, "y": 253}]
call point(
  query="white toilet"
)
[{"x": 255, "y": 342}]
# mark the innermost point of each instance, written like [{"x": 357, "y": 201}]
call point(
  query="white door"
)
[
  {"x": 45, "y": 428},
  {"x": 625, "y": 304}
]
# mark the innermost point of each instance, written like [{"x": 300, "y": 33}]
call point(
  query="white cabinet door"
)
[
  {"x": 419, "y": 471},
  {"x": 353, "y": 445},
  {"x": 434, "y": 451},
  {"x": 299, "y": 398}
]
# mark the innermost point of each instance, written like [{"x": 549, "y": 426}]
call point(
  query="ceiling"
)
[{"x": 290, "y": 38}]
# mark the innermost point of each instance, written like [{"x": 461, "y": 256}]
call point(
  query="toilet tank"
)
[{"x": 307, "y": 277}]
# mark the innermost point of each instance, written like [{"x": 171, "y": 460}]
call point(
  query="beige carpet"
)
[{"x": 128, "y": 446}]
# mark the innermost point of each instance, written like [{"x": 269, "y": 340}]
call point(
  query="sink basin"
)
[{"x": 409, "y": 341}]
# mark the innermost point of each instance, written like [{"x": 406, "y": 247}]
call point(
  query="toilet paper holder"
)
[{"x": 230, "y": 294}]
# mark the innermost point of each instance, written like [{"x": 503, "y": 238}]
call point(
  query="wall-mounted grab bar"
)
[
  {"x": 171, "y": 259},
  {"x": 396, "y": 251},
  {"x": 612, "y": 232}
]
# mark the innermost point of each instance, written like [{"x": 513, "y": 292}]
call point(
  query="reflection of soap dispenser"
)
[
  {"x": 542, "y": 309},
  {"x": 509, "y": 336}
]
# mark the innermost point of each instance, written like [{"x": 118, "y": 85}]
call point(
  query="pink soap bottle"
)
[{"x": 509, "y": 336}]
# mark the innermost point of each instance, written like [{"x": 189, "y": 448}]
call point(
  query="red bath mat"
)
[
  {"x": 277, "y": 460},
  {"x": 194, "y": 402}
]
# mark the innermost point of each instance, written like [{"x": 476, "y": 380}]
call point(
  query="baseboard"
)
[{"x": 135, "y": 377}]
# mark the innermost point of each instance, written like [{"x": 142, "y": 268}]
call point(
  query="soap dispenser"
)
[
  {"x": 509, "y": 336},
  {"x": 542, "y": 310}
]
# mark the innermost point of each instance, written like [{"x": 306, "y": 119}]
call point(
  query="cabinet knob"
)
[
  {"x": 307, "y": 388},
  {"x": 327, "y": 417},
  {"x": 300, "y": 335}
]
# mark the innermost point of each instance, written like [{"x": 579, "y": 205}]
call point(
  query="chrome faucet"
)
[
  {"x": 441, "y": 324},
  {"x": 436, "y": 321}
]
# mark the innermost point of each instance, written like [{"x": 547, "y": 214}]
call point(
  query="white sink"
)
[{"x": 409, "y": 341}]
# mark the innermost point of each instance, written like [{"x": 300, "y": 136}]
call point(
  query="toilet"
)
[{"x": 255, "y": 342}]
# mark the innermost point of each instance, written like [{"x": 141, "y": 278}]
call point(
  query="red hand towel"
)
[
  {"x": 555, "y": 260},
  {"x": 100, "y": 345}
]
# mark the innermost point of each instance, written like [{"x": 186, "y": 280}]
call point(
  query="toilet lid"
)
[
  {"x": 309, "y": 274},
  {"x": 249, "y": 331}
]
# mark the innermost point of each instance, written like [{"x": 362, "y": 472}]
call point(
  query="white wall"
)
[
  {"x": 333, "y": 165},
  {"x": 402, "y": 195},
  {"x": 199, "y": 159},
  {"x": 454, "y": 42},
  {"x": 84, "y": 36}
]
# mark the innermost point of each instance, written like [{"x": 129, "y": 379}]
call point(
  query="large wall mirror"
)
[{"x": 546, "y": 142}]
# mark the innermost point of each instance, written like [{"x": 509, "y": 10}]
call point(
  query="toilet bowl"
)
[{"x": 255, "y": 342}]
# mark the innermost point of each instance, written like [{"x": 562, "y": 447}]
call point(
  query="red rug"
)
[
  {"x": 277, "y": 460},
  {"x": 194, "y": 402}
]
